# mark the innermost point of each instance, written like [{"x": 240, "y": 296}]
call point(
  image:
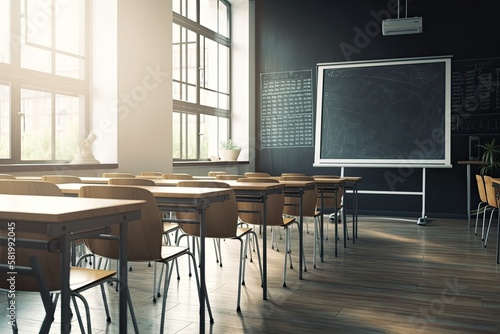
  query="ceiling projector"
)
[{"x": 404, "y": 26}]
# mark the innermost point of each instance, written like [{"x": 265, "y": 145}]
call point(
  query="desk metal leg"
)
[
  {"x": 264, "y": 249},
  {"x": 468, "y": 195},
  {"x": 65, "y": 291},
  {"x": 122, "y": 267},
  {"x": 301, "y": 236}
]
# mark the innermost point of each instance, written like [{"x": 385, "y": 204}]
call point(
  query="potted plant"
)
[
  {"x": 490, "y": 157},
  {"x": 229, "y": 150}
]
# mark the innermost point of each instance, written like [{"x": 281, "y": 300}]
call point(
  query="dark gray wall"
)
[{"x": 298, "y": 34}]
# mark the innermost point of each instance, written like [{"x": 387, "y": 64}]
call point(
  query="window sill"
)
[
  {"x": 62, "y": 168},
  {"x": 209, "y": 163}
]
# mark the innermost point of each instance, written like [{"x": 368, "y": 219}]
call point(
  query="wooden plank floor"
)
[{"x": 397, "y": 278}]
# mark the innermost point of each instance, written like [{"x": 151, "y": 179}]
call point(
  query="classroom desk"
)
[
  {"x": 258, "y": 192},
  {"x": 66, "y": 218},
  {"x": 468, "y": 164},
  {"x": 244, "y": 191},
  {"x": 352, "y": 184},
  {"x": 330, "y": 185},
  {"x": 297, "y": 189},
  {"x": 177, "y": 199}
]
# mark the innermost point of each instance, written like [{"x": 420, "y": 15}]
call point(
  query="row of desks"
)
[{"x": 65, "y": 220}]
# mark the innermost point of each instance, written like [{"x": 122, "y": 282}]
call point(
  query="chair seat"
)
[
  {"x": 169, "y": 253},
  {"x": 83, "y": 278},
  {"x": 287, "y": 221}
]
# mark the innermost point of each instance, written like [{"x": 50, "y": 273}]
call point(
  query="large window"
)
[
  {"x": 43, "y": 79},
  {"x": 201, "y": 77}
]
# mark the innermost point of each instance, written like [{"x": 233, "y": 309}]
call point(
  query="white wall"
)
[{"x": 144, "y": 85}]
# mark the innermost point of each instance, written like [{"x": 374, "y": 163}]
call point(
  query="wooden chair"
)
[
  {"x": 483, "y": 201},
  {"x": 309, "y": 201},
  {"x": 221, "y": 223},
  {"x": 292, "y": 174},
  {"x": 121, "y": 175},
  {"x": 492, "y": 194},
  {"x": 217, "y": 172},
  {"x": 144, "y": 241},
  {"x": 59, "y": 179},
  {"x": 39, "y": 269},
  {"x": 228, "y": 177},
  {"x": 252, "y": 213},
  {"x": 257, "y": 174},
  {"x": 128, "y": 181},
  {"x": 7, "y": 176},
  {"x": 168, "y": 228},
  {"x": 178, "y": 176},
  {"x": 152, "y": 174},
  {"x": 329, "y": 203}
]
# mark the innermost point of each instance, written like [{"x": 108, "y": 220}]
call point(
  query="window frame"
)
[
  {"x": 20, "y": 78},
  {"x": 182, "y": 107}
]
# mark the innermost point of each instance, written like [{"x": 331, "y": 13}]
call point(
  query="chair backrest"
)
[
  {"x": 122, "y": 175},
  {"x": 154, "y": 174},
  {"x": 7, "y": 176},
  {"x": 29, "y": 187},
  {"x": 329, "y": 196},
  {"x": 49, "y": 262},
  {"x": 309, "y": 198},
  {"x": 217, "y": 172},
  {"x": 221, "y": 217},
  {"x": 228, "y": 177},
  {"x": 124, "y": 181},
  {"x": 59, "y": 179},
  {"x": 251, "y": 212},
  {"x": 178, "y": 176},
  {"x": 144, "y": 235},
  {"x": 491, "y": 192},
  {"x": 481, "y": 189},
  {"x": 292, "y": 174},
  {"x": 326, "y": 176},
  {"x": 257, "y": 174}
]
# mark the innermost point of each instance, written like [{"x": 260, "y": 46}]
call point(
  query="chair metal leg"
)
[{"x": 489, "y": 225}]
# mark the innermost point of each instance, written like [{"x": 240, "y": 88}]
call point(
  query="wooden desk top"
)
[
  {"x": 53, "y": 210},
  {"x": 157, "y": 191}
]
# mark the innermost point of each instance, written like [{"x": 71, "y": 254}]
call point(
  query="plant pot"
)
[{"x": 229, "y": 155}]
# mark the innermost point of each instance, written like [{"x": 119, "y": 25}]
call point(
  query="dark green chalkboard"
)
[{"x": 384, "y": 113}]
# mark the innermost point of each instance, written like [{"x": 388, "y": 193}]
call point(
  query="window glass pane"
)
[
  {"x": 176, "y": 52},
  {"x": 71, "y": 67},
  {"x": 191, "y": 94},
  {"x": 191, "y": 61},
  {"x": 36, "y": 23},
  {"x": 209, "y": 139},
  {"x": 223, "y": 128},
  {"x": 223, "y": 101},
  {"x": 192, "y": 137},
  {"x": 208, "y": 98},
  {"x": 223, "y": 69},
  {"x": 67, "y": 115},
  {"x": 209, "y": 71},
  {"x": 70, "y": 26},
  {"x": 4, "y": 121},
  {"x": 191, "y": 10},
  {"x": 176, "y": 135},
  {"x": 5, "y": 31},
  {"x": 35, "y": 59},
  {"x": 208, "y": 14},
  {"x": 223, "y": 20},
  {"x": 36, "y": 125}
]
